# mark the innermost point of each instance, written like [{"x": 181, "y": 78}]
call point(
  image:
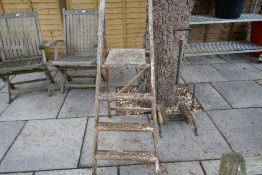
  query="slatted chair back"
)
[
  {"x": 80, "y": 31},
  {"x": 19, "y": 35}
]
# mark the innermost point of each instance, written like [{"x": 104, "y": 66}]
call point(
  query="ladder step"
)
[
  {"x": 126, "y": 97},
  {"x": 125, "y": 127},
  {"x": 125, "y": 66},
  {"x": 126, "y": 57},
  {"x": 143, "y": 156},
  {"x": 129, "y": 109}
]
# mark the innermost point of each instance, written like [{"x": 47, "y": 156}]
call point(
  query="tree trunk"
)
[{"x": 168, "y": 16}]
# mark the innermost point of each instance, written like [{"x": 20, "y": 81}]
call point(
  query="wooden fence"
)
[{"x": 125, "y": 20}]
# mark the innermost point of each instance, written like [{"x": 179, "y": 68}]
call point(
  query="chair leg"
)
[
  {"x": 49, "y": 75},
  {"x": 63, "y": 81},
  {"x": 8, "y": 86},
  {"x": 107, "y": 93},
  {"x": 68, "y": 78},
  {"x": 48, "y": 84},
  {"x": 12, "y": 86}
]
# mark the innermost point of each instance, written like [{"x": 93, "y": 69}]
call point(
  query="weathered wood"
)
[
  {"x": 126, "y": 97},
  {"x": 132, "y": 81},
  {"x": 79, "y": 86},
  {"x": 125, "y": 66},
  {"x": 122, "y": 59},
  {"x": 20, "y": 51},
  {"x": 80, "y": 40},
  {"x": 125, "y": 127},
  {"x": 127, "y": 155},
  {"x": 126, "y": 57},
  {"x": 162, "y": 114},
  {"x": 100, "y": 51},
  {"x": 131, "y": 109},
  {"x": 7, "y": 83},
  {"x": 108, "y": 92}
]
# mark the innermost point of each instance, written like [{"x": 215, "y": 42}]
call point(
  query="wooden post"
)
[
  {"x": 2, "y": 8},
  {"x": 124, "y": 23},
  {"x": 30, "y": 5}
]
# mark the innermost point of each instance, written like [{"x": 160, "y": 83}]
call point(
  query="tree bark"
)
[{"x": 168, "y": 16}]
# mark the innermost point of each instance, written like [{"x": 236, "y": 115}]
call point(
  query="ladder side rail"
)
[
  {"x": 98, "y": 78},
  {"x": 153, "y": 90}
]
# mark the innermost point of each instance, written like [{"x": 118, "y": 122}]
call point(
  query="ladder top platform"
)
[
  {"x": 126, "y": 56},
  {"x": 245, "y": 17}
]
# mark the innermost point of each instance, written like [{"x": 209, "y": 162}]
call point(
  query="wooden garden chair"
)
[
  {"x": 20, "y": 43},
  {"x": 80, "y": 46}
]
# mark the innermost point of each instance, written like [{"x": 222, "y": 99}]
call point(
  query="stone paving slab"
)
[
  {"x": 182, "y": 168},
  {"x": 253, "y": 166},
  {"x": 3, "y": 102},
  {"x": 241, "y": 128},
  {"x": 81, "y": 103},
  {"x": 8, "y": 133},
  {"x": 17, "y": 174},
  {"x": 239, "y": 71},
  {"x": 240, "y": 94},
  {"x": 180, "y": 144},
  {"x": 36, "y": 105},
  {"x": 213, "y": 59},
  {"x": 257, "y": 65},
  {"x": 238, "y": 58},
  {"x": 259, "y": 82},
  {"x": 100, "y": 171},
  {"x": 1, "y": 84},
  {"x": 201, "y": 73},
  {"x": 209, "y": 98},
  {"x": 115, "y": 141},
  {"x": 45, "y": 145},
  {"x": 185, "y": 61}
]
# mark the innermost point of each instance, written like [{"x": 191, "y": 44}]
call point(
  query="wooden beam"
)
[
  {"x": 67, "y": 4},
  {"x": 124, "y": 22},
  {"x": 97, "y": 3},
  {"x": 132, "y": 81},
  {"x": 30, "y": 5},
  {"x": 1, "y": 3}
]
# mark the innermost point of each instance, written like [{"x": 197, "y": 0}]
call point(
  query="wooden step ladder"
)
[{"x": 125, "y": 59}]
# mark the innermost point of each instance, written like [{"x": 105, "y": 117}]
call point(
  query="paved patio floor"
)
[{"x": 44, "y": 135}]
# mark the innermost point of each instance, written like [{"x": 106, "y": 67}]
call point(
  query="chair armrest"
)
[{"x": 49, "y": 44}]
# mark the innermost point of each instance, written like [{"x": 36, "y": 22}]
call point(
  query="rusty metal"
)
[
  {"x": 125, "y": 59},
  {"x": 186, "y": 113}
]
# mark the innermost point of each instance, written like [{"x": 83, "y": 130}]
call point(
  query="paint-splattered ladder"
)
[{"x": 125, "y": 59}]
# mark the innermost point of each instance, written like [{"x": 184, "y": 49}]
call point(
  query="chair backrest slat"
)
[
  {"x": 80, "y": 31},
  {"x": 19, "y": 35}
]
